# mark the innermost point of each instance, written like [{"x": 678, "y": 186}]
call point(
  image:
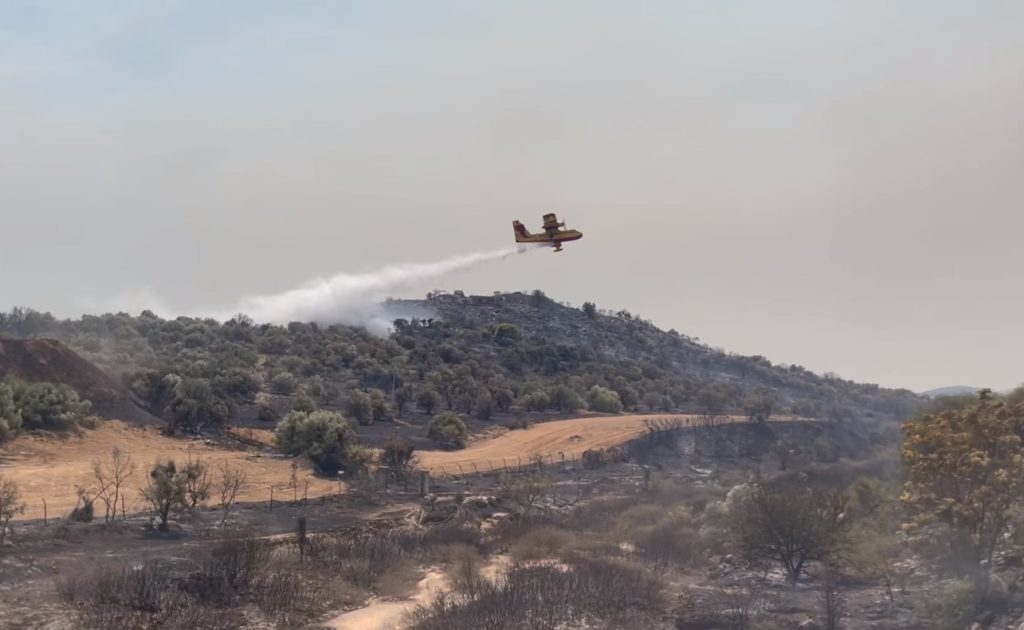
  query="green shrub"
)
[
  {"x": 325, "y": 437},
  {"x": 448, "y": 430},
  {"x": 535, "y": 401},
  {"x": 42, "y": 406},
  {"x": 603, "y": 400},
  {"x": 506, "y": 335},
  {"x": 428, "y": 400},
  {"x": 359, "y": 405},
  {"x": 10, "y": 415},
  {"x": 284, "y": 383},
  {"x": 266, "y": 413},
  {"x": 565, "y": 398}
]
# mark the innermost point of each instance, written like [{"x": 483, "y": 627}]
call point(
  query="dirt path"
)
[
  {"x": 386, "y": 615},
  {"x": 52, "y": 466},
  {"x": 391, "y": 615},
  {"x": 545, "y": 439}
]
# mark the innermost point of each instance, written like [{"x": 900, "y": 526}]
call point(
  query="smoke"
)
[{"x": 354, "y": 299}]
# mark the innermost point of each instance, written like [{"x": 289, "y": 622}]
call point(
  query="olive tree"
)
[{"x": 791, "y": 527}]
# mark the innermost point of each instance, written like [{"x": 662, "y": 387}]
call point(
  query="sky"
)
[{"x": 838, "y": 185}]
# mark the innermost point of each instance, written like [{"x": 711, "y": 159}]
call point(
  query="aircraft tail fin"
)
[{"x": 521, "y": 232}]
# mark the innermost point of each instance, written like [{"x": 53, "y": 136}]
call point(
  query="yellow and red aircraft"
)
[{"x": 554, "y": 233}]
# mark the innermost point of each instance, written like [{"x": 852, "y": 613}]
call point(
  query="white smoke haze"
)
[{"x": 355, "y": 298}]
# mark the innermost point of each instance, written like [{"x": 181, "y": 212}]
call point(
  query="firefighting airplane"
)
[{"x": 554, "y": 233}]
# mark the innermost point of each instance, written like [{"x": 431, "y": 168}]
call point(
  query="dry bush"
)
[
  {"x": 138, "y": 598},
  {"x": 464, "y": 572},
  {"x": 204, "y": 594},
  {"x": 524, "y": 491},
  {"x": 541, "y": 543},
  {"x": 586, "y": 591},
  {"x": 509, "y": 531},
  {"x": 452, "y": 534},
  {"x": 671, "y": 536},
  {"x": 363, "y": 557},
  {"x": 598, "y": 515}
]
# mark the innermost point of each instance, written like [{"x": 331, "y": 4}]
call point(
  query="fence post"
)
[
  {"x": 44, "y": 512},
  {"x": 271, "y": 498},
  {"x": 424, "y": 483},
  {"x": 300, "y": 534}
]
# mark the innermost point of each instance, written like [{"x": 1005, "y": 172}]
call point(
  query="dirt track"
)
[
  {"x": 546, "y": 439},
  {"x": 52, "y": 466}
]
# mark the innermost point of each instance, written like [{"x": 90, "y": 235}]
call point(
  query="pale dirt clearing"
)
[
  {"x": 388, "y": 615},
  {"x": 51, "y": 466},
  {"x": 546, "y": 439}
]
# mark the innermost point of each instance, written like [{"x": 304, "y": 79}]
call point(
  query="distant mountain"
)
[{"x": 952, "y": 390}]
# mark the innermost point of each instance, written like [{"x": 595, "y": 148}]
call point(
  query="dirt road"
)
[{"x": 546, "y": 439}]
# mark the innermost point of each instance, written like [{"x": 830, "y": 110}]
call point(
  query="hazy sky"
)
[{"x": 834, "y": 184}]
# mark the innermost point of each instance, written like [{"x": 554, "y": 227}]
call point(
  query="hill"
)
[
  {"x": 51, "y": 361},
  {"x": 481, "y": 356}
]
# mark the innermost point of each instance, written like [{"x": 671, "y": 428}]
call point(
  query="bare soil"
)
[
  {"x": 51, "y": 466},
  {"x": 555, "y": 439}
]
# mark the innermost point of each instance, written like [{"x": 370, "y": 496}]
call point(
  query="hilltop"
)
[{"x": 481, "y": 356}]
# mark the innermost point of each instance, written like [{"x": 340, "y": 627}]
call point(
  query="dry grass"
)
[
  {"x": 546, "y": 439},
  {"x": 51, "y": 466}
]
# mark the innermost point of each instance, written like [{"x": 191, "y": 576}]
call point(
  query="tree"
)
[
  {"x": 535, "y": 401},
  {"x": 448, "y": 430},
  {"x": 230, "y": 481},
  {"x": 380, "y": 410},
  {"x": 399, "y": 456},
  {"x": 284, "y": 383},
  {"x": 110, "y": 477},
  {"x": 565, "y": 398},
  {"x": 831, "y": 598},
  {"x": 403, "y": 396},
  {"x": 652, "y": 400},
  {"x": 444, "y": 381},
  {"x": 156, "y": 389},
  {"x": 711, "y": 401},
  {"x": 325, "y": 437},
  {"x": 792, "y": 527},
  {"x": 484, "y": 405},
  {"x": 197, "y": 482},
  {"x": 10, "y": 415},
  {"x": 196, "y": 406},
  {"x": 165, "y": 491},
  {"x": 503, "y": 399},
  {"x": 304, "y": 404},
  {"x": 759, "y": 404},
  {"x": 359, "y": 405},
  {"x": 603, "y": 400},
  {"x": 524, "y": 491},
  {"x": 238, "y": 384},
  {"x": 428, "y": 400},
  {"x": 506, "y": 335},
  {"x": 10, "y": 504},
  {"x": 590, "y": 309},
  {"x": 966, "y": 472}
]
